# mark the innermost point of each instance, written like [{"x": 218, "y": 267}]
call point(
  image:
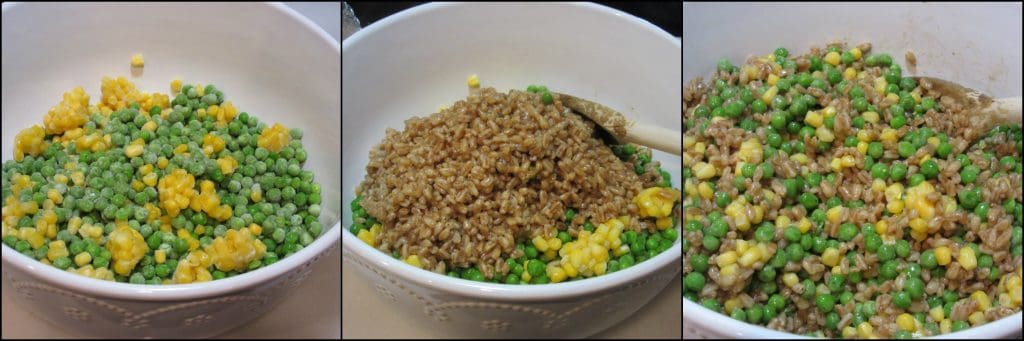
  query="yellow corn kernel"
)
[
  {"x": 772, "y": 79},
  {"x": 800, "y": 158},
  {"x": 848, "y": 161},
  {"x": 414, "y": 260},
  {"x": 556, "y": 274},
  {"x": 569, "y": 269},
  {"x": 835, "y": 214},
  {"x": 127, "y": 247},
  {"x": 937, "y": 313},
  {"x": 750, "y": 257},
  {"x": 83, "y": 258},
  {"x": 880, "y": 85},
  {"x": 967, "y": 259},
  {"x": 256, "y": 195},
  {"x": 137, "y": 61},
  {"x": 750, "y": 151},
  {"x": 255, "y": 229},
  {"x": 835, "y": 165},
  {"x": 824, "y": 134},
  {"x": 758, "y": 214},
  {"x": 175, "y": 86},
  {"x": 832, "y": 58},
  {"x": 732, "y": 304},
  {"x": 790, "y": 279},
  {"x": 804, "y": 225},
  {"x": 526, "y": 276},
  {"x": 814, "y": 119},
  {"x": 934, "y": 141},
  {"x": 162, "y": 162},
  {"x": 862, "y": 147},
  {"x": 769, "y": 95},
  {"x": 849, "y": 332},
  {"x": 56, "y": 250},
  {"x": 540, "y": 243},
  {"x": 366, "y": 237},
  {"x": 160, "y": 256},
  {"x": 865, "y": 330},
  {"x": 703, "y": 171},
  {"x": 829, "y": 111},
  {"x": 919, "y": 225},
  {"x": 878, "y": 185},
  {"x": 870, "y": 116},
  {"x": 133, "y": 150},
  {"x": 856, "y": 53},
  {"x": 981, "y": 298},
  {"x": 849, "y": 74},
  {"x": 906, "y": 322},
  {"x": 689, "y": 141},
  {"x": 726, "y": 258},
  {"x": 742, "y": 245},
  {"x": 149, "y": 126},
  {"x": 943, "y": 255},
  {"x": 977, "y": 318},
  {"x": 895, "y": 207},
  {"x": 830, "y": 257},
  {"x": 274, "y": 138},
  {"x": 29, "y": 141},
  {"x": 946, "y": 326},
  {"x": 888, "y": 134},
  {"x": 473, "y": 81},
  {"x": 227, "y": 164},
  {"x": 782, "y": 222},
  {"x": 729, "y": 270}
]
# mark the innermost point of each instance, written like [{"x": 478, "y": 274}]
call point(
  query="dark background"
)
[{"x": 667, "y": 14}]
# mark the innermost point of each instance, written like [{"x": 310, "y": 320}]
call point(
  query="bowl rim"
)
[
  {"x": 498, "y": 291},
  {"x": 722, "y": 325},
  {"x": 614, "y": 14},
  {"x": 175, "y": 292}
]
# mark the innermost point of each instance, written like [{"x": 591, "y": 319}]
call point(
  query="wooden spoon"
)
[
  {"x": 623, "y": 130},
  {"x": 992, "y": 112}
]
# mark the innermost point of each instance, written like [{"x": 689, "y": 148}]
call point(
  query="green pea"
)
[
  {"x": 930, "y": 168},
  {"x": 847, "y": 231},
  {"x": 699, "y": 262},
  {"x": 886, "y": 252},
  {"x": 808, "y": 200},
  {"x": 914, "y": 287},
  {"x": 879, "y": 171},
  {"x": 792, "y": 234},
  {"x": 901, "y": 299},
  {"x": 916, "y": 179},
  {"x": 981, "y": 210},
  {"x": 765, "y": 233},
  {"x": 694, "y": 282},
  {"x": 969, "y": 174},
  {"x": 825, "y": 302}
]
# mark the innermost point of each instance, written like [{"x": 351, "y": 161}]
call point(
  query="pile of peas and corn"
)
[
  {"x": 594, "y": 251},
  {"x": 905, "y": 181},
  {"x": 148, "y": 188}
]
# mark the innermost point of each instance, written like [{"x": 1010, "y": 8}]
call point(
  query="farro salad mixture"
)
[
  {"x": 512, "y": 188},
  {"x": 830, "y": 195}
]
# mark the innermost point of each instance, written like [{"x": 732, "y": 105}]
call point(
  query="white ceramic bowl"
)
[
  {"x": 412, "y": 62},
  {"x": 965, "y": 43},
  {"x": 267, "y": 59}
]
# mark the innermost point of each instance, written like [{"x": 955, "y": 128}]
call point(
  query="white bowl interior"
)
[
  {"x": 964, "y": 43},
  {"x": 268, "y": 60}
]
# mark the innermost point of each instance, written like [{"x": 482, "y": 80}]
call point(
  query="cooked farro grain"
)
[{"x": 905, "y": 210}]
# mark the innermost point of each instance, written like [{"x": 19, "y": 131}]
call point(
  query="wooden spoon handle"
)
[
  {"x": 1006, "y": 109},
  {"x": 660, "y": 138}
]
